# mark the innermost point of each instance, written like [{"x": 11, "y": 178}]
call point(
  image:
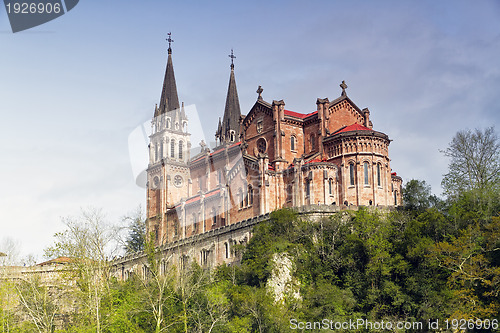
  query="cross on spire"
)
[
  {"x": 259, "y": 91},
  {"x": 232, "y": 56},
  {"x": 170, "y": 41},
  {"x": 344, "y": 87}
]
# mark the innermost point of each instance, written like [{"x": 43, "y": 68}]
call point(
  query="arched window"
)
[
  {"x": 240, "y": 197},
  {"x": 226, "y": 247},
  {"x": 232, "y": 136},
  {"x": 181, "y": 147},
  {"x": 365, "y": 171},
  {"x": 351, "y": 173},
  {"x": 378, "y": 175},
  {"x": 289, "y": 192},
  {"x": 168, "y": 122},
  {"x": 292, "y": 143},
  {"x": 330, "y": 186},
  {"x": 312, "y": 142},
  {"x": 195, "y": 224},
  {"x": 250, "y": 194},
  {"x": 214, "y": 216},
  {"x": 246, "y": 200},
  {"x": 308, "y": 187},
  {"x": 172, "y": 148},
  {"x": 395, "y": 198},
  {"x": 204, "y": 254}
]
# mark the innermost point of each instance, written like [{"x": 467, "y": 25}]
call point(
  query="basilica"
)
[{"x": 268, "y": 159}]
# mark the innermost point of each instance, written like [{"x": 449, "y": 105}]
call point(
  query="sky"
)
[{"x": 73, "y": 90}]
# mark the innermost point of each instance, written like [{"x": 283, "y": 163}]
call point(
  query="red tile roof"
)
[
  {"x": 316, "y": 160},
  {"x": 353, "y": 127},
  {"x": 213, "y": 192},
  {"x": 191, "y": 200},
  {"x": 197, "y": 197},
  {"x": 299, "y": 115},
  {"x": 217, "y": 151},
  {"x": 60, "y": 260}
]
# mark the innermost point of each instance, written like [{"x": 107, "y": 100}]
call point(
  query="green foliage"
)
[
  {"x": 7, "y": 304},
  {"x": 417, "y": 195},
  {"x": 471, "y": 258},
  {"x": 136, "y": 232},
  {"x": 474, "y": 205},
  {"x": 278, "y": 235},
  {"x": 372, "y": 264},
  {"x": 475, "y": 162}
]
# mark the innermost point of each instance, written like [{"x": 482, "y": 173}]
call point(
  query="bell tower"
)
[{"x": 168, "y": 170}]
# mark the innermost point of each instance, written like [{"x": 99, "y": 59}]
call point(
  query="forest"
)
[{"x": 434, "y": 261}]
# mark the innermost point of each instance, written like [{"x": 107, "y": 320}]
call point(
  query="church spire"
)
[
  {"x": 232, "y": 113},
  {"x": 169, "y": 100}
]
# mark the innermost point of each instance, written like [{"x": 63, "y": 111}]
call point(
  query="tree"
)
[
  {"x": 190, "y": 284},
  {"x": 157, "y": 284},
  {"x": 9, "y": 256},
  {"x": 475, "y": 162},
  {"x": 8, "y": 303},
  {"x": 474, "y": 276},
  {"x": 136, "y": 232},
  {"x": 416, "y": 195},
  {"x": 39, "y": 301},
  {"x": 88, "y": 242},
  {"x": 9, "y": 252}
]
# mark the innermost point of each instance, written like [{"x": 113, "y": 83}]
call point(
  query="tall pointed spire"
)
[
  {"x": 232, "y": 113},
  {"x": 169, "y": 100}
]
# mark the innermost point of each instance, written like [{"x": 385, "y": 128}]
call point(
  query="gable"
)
[
  {"x": 259, "y": 109},
  {"x": 259, "y": 120},
  {"x": 343, "y": 112}
]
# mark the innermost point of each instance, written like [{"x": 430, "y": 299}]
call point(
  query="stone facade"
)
[
  {"x": 210, "y": 248},
  {"x": 266, "y": 160}
]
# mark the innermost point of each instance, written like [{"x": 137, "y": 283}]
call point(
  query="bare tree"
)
[
  {"x": 475, "y": 161},
  {"x": 38, "y": 301},
  {"x": 157, "y": 282},
  {"x": 88, "y": 242},
  {"x": 8, "y": 303},
  {"x": 9, "y": 256},
  {"x": 190, "y": 282},
  {"x": 9, "y": 252},
  {"x": 217, "y": 307}
]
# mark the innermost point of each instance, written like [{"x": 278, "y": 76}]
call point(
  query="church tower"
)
[
  {"x": 228, "y": 131},
  {"x": 168, "y": 169}
]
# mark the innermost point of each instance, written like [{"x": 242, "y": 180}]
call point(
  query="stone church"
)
[{"x": 265, "y": 160}]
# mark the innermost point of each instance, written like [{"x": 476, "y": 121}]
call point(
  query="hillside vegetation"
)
[{"x": 407, "y": 265}]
